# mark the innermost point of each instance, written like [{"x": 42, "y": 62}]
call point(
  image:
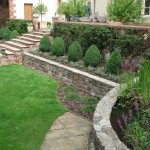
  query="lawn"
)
[{"x": 28, "y": 107}]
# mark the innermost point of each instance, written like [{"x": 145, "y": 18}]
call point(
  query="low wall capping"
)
[
  {"x": 103, "y": 137},
  {"x": 107, "y": 25}
]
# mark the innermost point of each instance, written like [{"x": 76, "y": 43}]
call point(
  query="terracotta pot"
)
[{"x": 43, "y": 24}]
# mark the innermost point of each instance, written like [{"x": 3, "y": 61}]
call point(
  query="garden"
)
[
  {"x": 29, "y": 103},
  {"x": 107, "y": 52}
]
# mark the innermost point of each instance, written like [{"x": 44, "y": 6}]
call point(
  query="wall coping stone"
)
[
  {"x": 104, "y": 132},
  {"x": 107, "y": 25},
  {"x": 102, "y": 80}
]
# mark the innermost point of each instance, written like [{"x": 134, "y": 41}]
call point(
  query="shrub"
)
[
  {"x": 58, "y": 47},
  {"x": 45, "y": 44},
  {"x": 92, "y": 57},
  {"x": 18, "y": 25},
  {"x": 2, "y": 32},
  {"x": 130, "y": 43},
  {"x": 11, "y": 24},
  {"x": 22, "y": 27},
  {"x": 75, "y": 52},
  {"x": 14, "y": 34},
  {"x": 114, "y": 63},
  {"x": 125, "y": 10},
  {"x": 6, "y": 34}
]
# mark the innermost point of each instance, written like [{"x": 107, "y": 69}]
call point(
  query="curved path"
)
[{"x": 68, "y": 132}]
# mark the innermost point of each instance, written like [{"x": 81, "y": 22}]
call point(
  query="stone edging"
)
[{"x": 104, "y": 136}]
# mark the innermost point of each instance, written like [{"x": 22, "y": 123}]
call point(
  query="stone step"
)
[
  {"x": 11, "y": 48},
  {"x": 9, "y": 52},
  {"x": 24, "y": 42},
  {"x": 29, "y": 39},
  {"x": 47, "y": 31},
  {"x": 39, "y": 33},
  {"x": 33, "y": 36},
  {"x": 24, "y": 48}
]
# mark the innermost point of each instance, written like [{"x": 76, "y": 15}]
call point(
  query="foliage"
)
[
  {"x": 31, "y": 100},
  {"x": 2, "y": 32},
  {"x": 73, "y": 8},
  {"x": 11, "y": 24},
  {"x": 14, "y": 34},
  {"x": 45, "y": 44},
  {"x": 114, "y": 63},
  {"x": 131, "y": 43},
  {"x": 22, "y": 27},
  {"x": 144, "y": 80},
  {"x": 6, "y": 34},
  {"x": 88, "y": 108},
  {"x": 125, "y": 11},
  {"x": 75, "y": 52},
  {"x": 92, "y": 57},
  {"x": 72, "y": 97},
  {"x": 18, "y": 25},
  {"x": 40, "y": 9},
  {"x": 30, "y": 24},
  {"x": 135, "y": 124},
  {"x": 69, "y": 89},
  {"x": 58, "y": 47},
  {"x": 91, "y": 100}
]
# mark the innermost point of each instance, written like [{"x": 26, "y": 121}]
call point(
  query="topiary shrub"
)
[
  {"x": 14, "y": 34},
  {"x": 93, "y": 56},
  {"x": 45, "y": 44},
  {"x": 114, "y": 63},
  {"x": 2, "y": 32},
  {"x": 6, "y": 34},
  {"x": 58, "y": 47},
  {"x": 75, "y": 52}
]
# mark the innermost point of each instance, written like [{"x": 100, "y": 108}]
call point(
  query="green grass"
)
[
  {"x": 72, "y": 97},
  {"x": 69, "y": 89},
  {"x": 28, "y": 107}
]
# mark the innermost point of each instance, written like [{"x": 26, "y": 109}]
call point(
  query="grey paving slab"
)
[{"x": 68, "y": 132}]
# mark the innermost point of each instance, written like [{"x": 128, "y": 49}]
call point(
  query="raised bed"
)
[{"x": 103, "y": 137}]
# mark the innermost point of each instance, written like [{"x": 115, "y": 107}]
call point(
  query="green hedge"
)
[
  {"x": 19, "y": 25},
  {"x": 131, "y": 42}
]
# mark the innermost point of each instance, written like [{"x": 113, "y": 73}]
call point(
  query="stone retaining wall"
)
[
  {"x": 103, "y": 137},
  {"x": 86, "y": 82}
]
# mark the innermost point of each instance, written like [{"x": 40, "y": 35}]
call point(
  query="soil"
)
[{"x": 74, "y": 106}]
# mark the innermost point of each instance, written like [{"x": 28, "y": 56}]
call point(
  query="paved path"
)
[{"x": 68, "y": 132}]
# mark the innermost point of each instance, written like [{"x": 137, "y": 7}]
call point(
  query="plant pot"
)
[
  {"x": 30, "y": 29},
  {"x": 43, "y": 25}
]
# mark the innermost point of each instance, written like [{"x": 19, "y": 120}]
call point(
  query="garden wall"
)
[
  {"x": 86, "y": 82},
  {"x": 102, "y": 136}
]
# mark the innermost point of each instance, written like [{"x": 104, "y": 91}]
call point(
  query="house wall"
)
[
  {"x": 17, "y": 8},
  {"x": 100, "y": 7}
]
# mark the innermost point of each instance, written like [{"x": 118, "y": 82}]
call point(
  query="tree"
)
[
  {"x": 73, "y": 8},
  {"x": 40, "y": 9},
  {"x": 125, "y": 10}
]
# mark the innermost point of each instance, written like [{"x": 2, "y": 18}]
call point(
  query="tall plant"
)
[
  {"x": 40, "y": 9},
  {"x": 73, "y": 8},
  {"x": 125, "y": 10}
]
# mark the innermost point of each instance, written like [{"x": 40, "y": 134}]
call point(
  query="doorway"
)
[{"x": 28, "y": 11}]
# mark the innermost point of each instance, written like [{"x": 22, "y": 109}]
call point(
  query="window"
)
[{"x": 147, "y": 7}]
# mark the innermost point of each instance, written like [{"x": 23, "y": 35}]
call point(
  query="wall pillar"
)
[{"x": 12, "y": 9}]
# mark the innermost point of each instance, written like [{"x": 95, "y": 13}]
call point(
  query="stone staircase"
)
[{"x": 15, "y": 47}]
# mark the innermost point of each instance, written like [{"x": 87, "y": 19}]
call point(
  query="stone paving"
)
[{"x": 68, "y": 132}]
